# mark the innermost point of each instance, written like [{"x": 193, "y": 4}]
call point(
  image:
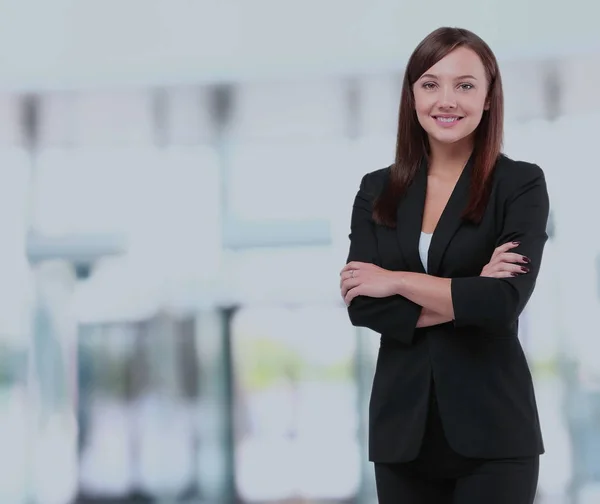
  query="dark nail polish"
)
[
  {"x": 514, "y": 274},
  {"x": 526, "y": 260},
  {"x": 517, "y": 243},
  {"x": 525, "y": 270}
]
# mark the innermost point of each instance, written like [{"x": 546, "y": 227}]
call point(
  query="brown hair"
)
[{"x": 412, "y": 145}]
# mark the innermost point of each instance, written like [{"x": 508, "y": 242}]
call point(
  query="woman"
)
[{"x": 445, "y": 248}]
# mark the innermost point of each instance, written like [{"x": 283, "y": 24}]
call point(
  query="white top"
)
[{"x": 424, "y": 244}]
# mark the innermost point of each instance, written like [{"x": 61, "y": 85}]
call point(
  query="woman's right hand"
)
[{"x": 505, "y": 264}]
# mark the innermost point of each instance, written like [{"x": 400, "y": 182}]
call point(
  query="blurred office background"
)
[{"x": 176, "y": 181}]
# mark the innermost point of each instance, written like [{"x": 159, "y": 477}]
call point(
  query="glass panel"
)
[
  {"x": 55, "y": 429},
  {"x": 11, "y": 133},
  {"x": 380, "y": 101},
  {"x": 107, "y": 354},
  {"x": 57, "y": 119},
  {"x": 214, "y": 418},
  {"x": 91, "y": 190},
  {"x": 138, "y": 381},
  {"x": 17, "y": 408},
  {"x": 153, "y": 197},
  {"x": 265, "y": 276},
  {"x": 273, "y": 181},
  {"x": 289, "y": 363},
  {"x": 313, "y": 110},
  {"x": 122, "y": 117},
  {"x": 188, "y": 120},
  {"x": 163, "y": 405},
  {"x": 15, "y": 429},
  {"x": 16, "y": 289}
]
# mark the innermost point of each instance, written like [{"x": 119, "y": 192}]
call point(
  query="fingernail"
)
[
  {"x": 525, "y": 270},
  {"x": 526, "y": 259},
  {"x": 517, "y": 243},
  {"x": 514, "y": 274}
]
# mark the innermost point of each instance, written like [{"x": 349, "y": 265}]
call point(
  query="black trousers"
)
[{"x": 439, "y": 475}]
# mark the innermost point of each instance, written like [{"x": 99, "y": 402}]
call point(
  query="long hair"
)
[{"x": 412, "y": 145}]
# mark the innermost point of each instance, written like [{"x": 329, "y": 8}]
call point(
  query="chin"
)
[
  {"x": 448, "y": 139},
  {"x": 451, "y": 136}
]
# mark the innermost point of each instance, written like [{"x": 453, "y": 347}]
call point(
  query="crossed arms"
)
[{"x": 398, "y": 302}]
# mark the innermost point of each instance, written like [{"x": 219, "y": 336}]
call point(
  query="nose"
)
[{"x": 447, "y": 98}]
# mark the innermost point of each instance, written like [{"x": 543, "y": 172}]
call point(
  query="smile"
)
[{"x": 446, "y": 120}]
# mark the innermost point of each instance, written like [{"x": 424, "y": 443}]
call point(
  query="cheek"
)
[
  {"x": 423, "y": 109},
  {"x": 423, "y": 118},
  {"x": 475, "y": 107},
  {"x": 474, "y": 119},
  {"x": 423, "y": 104}
]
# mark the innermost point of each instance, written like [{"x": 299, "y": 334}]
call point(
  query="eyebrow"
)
[{"x": 460, "y": 77}]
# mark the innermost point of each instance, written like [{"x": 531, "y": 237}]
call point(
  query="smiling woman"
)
[
  {"x": 445, "y": 248},
  {"x": 452, "y": 89},
  {"x": 447, "y": 99}
]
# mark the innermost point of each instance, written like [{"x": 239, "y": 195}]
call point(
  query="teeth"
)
[{"x": 447, "y": 119}]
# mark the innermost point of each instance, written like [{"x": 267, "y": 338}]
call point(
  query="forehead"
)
[{"x": 461, "y": 61}]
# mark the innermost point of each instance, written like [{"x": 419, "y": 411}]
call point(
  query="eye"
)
[
  {"x": 466, "y": 86},
  {"x": 429, "y": 85}
]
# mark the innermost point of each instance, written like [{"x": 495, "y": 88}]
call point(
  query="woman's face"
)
[{"x": 451, "y": 96}]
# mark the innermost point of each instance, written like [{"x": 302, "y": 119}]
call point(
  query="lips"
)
[{"x": 447, "y": 119}]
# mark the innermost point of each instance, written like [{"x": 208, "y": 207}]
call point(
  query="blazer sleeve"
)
[
  {"x": 495, "y": 303},
  {"x": 395, "y": 315}
]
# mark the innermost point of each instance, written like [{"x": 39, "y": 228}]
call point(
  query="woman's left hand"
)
[{"x": 365, "y": 279}]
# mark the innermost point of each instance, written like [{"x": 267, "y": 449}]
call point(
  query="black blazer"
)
[{"x": 476, "y": 363}]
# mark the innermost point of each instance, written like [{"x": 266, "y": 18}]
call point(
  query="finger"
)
[
  {"x": 345, "y": 275},
  {"x": 357, "y": 265},
  {"x": 349, "y": 284},
  {"x": 505, "y": 247},
  {"x": 353, "y": 265},
  {"x": 511, "y": 257},
  {"x": 351, "y": 294},
  {"x": 504, "y": 267},
  {"x": 502, "y": 274},
  {"x": 512, "y": 268}
]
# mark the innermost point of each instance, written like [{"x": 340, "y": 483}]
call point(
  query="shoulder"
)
[
  {"x": 512, "y": 170},
  {"x": 510, "y": 175},
  {"x": 372, "y": 183}
]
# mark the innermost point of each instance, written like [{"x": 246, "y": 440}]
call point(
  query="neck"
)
[{"x": 449, "y": 159}]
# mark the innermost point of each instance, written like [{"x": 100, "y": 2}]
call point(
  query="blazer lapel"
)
[
  {"x": 450, "y": 220},
  {"x": 409, "y": 219}
]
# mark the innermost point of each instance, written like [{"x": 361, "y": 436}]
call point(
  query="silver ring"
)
[{"x": 352, "y": 273}]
